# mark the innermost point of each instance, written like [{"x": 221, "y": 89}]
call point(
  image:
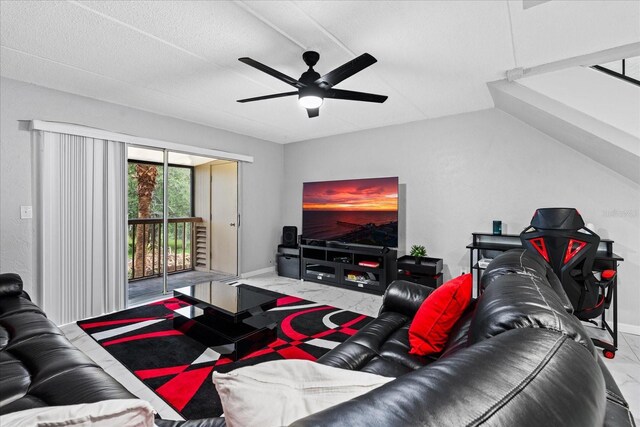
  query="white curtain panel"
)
[{"x": 80, "y": 188}]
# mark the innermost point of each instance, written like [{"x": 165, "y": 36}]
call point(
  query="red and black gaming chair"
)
[{"x": 560, "y": 237}]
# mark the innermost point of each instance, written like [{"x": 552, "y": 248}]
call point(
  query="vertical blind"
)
[{"x": 81, "y": 230}]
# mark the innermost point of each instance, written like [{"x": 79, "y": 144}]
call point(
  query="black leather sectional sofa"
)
[
  {"x": 40, "y": 367},
  {"x": 517, "y": 357}
]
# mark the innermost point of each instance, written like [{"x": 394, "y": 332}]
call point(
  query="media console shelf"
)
[{"x": 351, "y": 267}]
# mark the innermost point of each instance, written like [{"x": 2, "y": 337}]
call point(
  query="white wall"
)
[
  {"x": 461, "y": 172},
  {"x": 261, "y": 180}
]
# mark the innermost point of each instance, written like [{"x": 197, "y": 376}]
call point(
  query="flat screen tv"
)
[{"x": 359, "y": 211}]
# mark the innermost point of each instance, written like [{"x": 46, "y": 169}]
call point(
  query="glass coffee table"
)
[{"x": 226, "y": 318}]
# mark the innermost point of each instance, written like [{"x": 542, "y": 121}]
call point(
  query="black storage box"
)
[
  {"x": 427, "y": 266},
  {"x": 428, "y": 272},
  {"x": 288, "y": 261}
]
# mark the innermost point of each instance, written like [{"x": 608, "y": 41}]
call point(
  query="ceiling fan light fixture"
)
[{"x": 310, "y": 101}]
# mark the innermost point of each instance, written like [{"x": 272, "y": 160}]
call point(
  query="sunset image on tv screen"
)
[{"x": 363, "y": 211}]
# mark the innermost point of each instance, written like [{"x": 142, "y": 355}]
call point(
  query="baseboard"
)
[
  {"x": 629, "y": 329},
  {"x": 258, "y": 272}
]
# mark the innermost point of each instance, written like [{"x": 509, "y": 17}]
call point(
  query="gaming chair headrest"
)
[{"x": 557, "y": 219}]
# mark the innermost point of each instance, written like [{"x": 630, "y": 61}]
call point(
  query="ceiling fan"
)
[{"x": 313, "y": 88}]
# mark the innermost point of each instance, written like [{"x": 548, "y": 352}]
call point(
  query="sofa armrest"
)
[
  {"x": 404, "y": 297},
  {"x": 10, "y": 285}
]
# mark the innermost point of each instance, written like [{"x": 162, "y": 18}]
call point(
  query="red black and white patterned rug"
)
[{"x": 178, "y": 368}]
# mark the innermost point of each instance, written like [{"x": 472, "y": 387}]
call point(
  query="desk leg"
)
[
  {"x": 477, "y": 278},
  {"x": 615, "y": 311}
]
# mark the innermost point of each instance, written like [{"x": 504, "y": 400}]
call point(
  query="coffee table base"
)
[{"x": 232, "y": 340}]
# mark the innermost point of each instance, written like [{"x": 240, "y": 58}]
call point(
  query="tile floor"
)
[{"x": 625, "y": 368}]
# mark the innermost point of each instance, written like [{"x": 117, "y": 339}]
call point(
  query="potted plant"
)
[{"x": 417, "y": 252}]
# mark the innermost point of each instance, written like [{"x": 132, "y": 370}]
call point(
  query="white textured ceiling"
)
[{"x": 179, "y": 58}]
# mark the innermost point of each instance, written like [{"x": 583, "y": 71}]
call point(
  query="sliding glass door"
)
[
  {"x": 145, "y": 211},
  {"x": 174, "y": 232}
]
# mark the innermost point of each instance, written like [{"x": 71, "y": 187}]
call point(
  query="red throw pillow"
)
[{"x": 438, "y": 313}]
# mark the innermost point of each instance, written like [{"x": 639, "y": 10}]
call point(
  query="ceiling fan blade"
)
[
  {"x": 347, "y": 70},
  {"x": 355, "y": 96},
  {"x": 313, "y": 112},
  {"x": 275, "y": 95},
  {"x": 277, "y": 74}
]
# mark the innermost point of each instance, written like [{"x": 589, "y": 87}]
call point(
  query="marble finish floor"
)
[{"x": 625, "y": 368}]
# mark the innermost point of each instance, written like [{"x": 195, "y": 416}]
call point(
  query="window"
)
[
  {"x": 180, "y": 187},
  {"x": 145, "y": 210}
]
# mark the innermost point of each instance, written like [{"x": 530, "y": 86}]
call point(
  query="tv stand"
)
[{"x": 360, "y": 268}]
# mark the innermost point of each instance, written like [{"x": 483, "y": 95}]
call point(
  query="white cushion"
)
[
  {"x": 107, "y": 413},
  {"x": 279, "y": 392}
]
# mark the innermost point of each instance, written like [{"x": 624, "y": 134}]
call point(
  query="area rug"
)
[{"x": 178, "y": 368}]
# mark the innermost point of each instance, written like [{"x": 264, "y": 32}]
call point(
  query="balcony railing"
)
[{"x": 145, "y": 260}]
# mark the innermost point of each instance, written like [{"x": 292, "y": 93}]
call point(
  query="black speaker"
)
[{"x": 290, "y": 236}]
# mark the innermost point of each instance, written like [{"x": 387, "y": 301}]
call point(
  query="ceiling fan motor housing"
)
[
  {"x": 308, "y": 77},
  {"x": 310, "y": 91}
]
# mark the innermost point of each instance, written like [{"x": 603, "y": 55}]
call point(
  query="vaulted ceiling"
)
[{"x": 179, "y": 58}]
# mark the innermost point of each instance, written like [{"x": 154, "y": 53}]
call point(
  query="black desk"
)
[{"x": 487, "y": 245}]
